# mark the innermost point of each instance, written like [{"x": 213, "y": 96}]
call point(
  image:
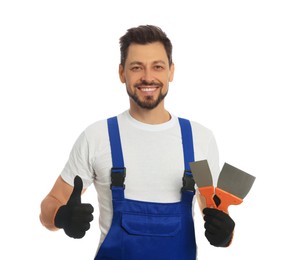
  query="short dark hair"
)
[{"x": 144, "y": 34}]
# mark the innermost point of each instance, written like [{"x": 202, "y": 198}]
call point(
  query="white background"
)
[{"x": 235, "y": 64}]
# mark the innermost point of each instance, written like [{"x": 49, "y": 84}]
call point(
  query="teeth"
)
[{"x": 147, "y": 89}]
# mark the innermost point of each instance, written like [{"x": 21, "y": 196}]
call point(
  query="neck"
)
[{"x": 158, "y": 115}]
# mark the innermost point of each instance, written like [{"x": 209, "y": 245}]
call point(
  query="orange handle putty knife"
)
[
  {"x": 203, "y": 178},
  {"x": 232, "y": 187}
]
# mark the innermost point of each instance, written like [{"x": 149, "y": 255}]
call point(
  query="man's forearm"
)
[{"x": 49, "y": 207}]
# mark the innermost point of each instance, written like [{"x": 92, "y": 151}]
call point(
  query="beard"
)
[{"x": 149, "y": 102}]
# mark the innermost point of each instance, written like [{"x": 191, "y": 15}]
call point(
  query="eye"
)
[
  {"x": 135, "y": 68},
  {"x": 158, "y": 67}
]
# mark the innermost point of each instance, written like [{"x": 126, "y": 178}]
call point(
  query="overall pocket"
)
[
  {"x": 151, "y": 225},
  {"x": 154, "y": 237}
]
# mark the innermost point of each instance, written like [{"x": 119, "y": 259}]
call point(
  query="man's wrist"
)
[{"x": 60, "y": 216}]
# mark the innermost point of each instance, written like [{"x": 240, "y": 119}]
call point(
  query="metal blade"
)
[
  {"x": 201, "y": 173},
  {"x": 235, "y": 181}
]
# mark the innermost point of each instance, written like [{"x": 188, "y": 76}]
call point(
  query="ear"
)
[
  {"x": 121, "y": 74},
  {"x": 171, "y": 73}
]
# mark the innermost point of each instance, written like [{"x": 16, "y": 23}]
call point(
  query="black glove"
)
[
  {"x": 219, "y": 227},
  {"x": 74, "y": 217}
]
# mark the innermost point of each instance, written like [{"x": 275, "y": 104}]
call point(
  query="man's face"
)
[{"x": 146, "y": 74}]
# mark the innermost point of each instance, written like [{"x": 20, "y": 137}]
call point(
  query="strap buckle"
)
[
  {"x": 118, "y": 177},
  {"x": 188, "y": 183}
]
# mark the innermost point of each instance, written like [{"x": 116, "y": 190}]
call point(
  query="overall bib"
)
[{"x": 147, "y": 230}]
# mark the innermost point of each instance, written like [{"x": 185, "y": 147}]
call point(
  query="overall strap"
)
[
  {"x": 118, "y": 171},
  {"x": 188, "y": 154}
]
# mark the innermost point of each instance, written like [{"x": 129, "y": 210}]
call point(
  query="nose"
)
[{"x": 147, "y": 75}]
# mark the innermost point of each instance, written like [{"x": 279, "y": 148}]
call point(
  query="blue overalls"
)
[{"x": 148, "y": 230}]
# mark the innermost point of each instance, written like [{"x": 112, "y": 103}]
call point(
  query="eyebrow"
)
[{"x": 141, "y": 63}]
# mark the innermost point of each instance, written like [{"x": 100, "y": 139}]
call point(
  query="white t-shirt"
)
[{"x": 153, "y": 158}]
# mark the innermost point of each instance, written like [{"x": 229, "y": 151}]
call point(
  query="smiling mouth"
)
[
  {"x": 148, "y": 89},
  {"x": 144, "y": 85}
]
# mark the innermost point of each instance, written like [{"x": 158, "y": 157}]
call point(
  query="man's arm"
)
[
  {"x": 58, "y": 196},
  {"x": 62, "y": 208}
]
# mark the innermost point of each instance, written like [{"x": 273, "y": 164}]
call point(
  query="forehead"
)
[{"x": 147, "y": 53}]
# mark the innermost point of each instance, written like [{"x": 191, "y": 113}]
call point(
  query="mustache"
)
[{"x": 146, "y": 83}]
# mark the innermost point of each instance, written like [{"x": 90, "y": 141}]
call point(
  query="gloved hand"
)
[
  {"x": 219, "y": 227},
  {"x": 75, "y": 217}
]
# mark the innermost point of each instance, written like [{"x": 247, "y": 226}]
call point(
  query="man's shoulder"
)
[
  {"x": 199, "y": 125},
  {"x": 194, "y": 123},
  {"x": 199, "y": 128},
  {"x": 100, "y": 124}
]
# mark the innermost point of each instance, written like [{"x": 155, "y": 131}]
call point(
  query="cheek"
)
[
  {"x": 166, "y": 81},
  {"x": 130, "y": 80}
]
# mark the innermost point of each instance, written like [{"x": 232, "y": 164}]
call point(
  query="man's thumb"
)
[{"x": 75, "y": 197}]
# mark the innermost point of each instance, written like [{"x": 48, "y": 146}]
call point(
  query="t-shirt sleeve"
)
[
  {"x": 206, "y": 149},
  {"x": 79, "y": 163},
  {"x": 213, "y": 159}
]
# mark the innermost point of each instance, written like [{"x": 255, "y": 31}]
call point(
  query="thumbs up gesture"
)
[{"x": 75, "y": 217}]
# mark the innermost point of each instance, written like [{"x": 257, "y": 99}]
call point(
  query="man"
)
[{"x": 139, "y": 165}]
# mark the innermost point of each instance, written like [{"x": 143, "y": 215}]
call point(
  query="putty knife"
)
[
  {"x": 232, "y": 187},
  {"x": 203, "y": 178}
]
